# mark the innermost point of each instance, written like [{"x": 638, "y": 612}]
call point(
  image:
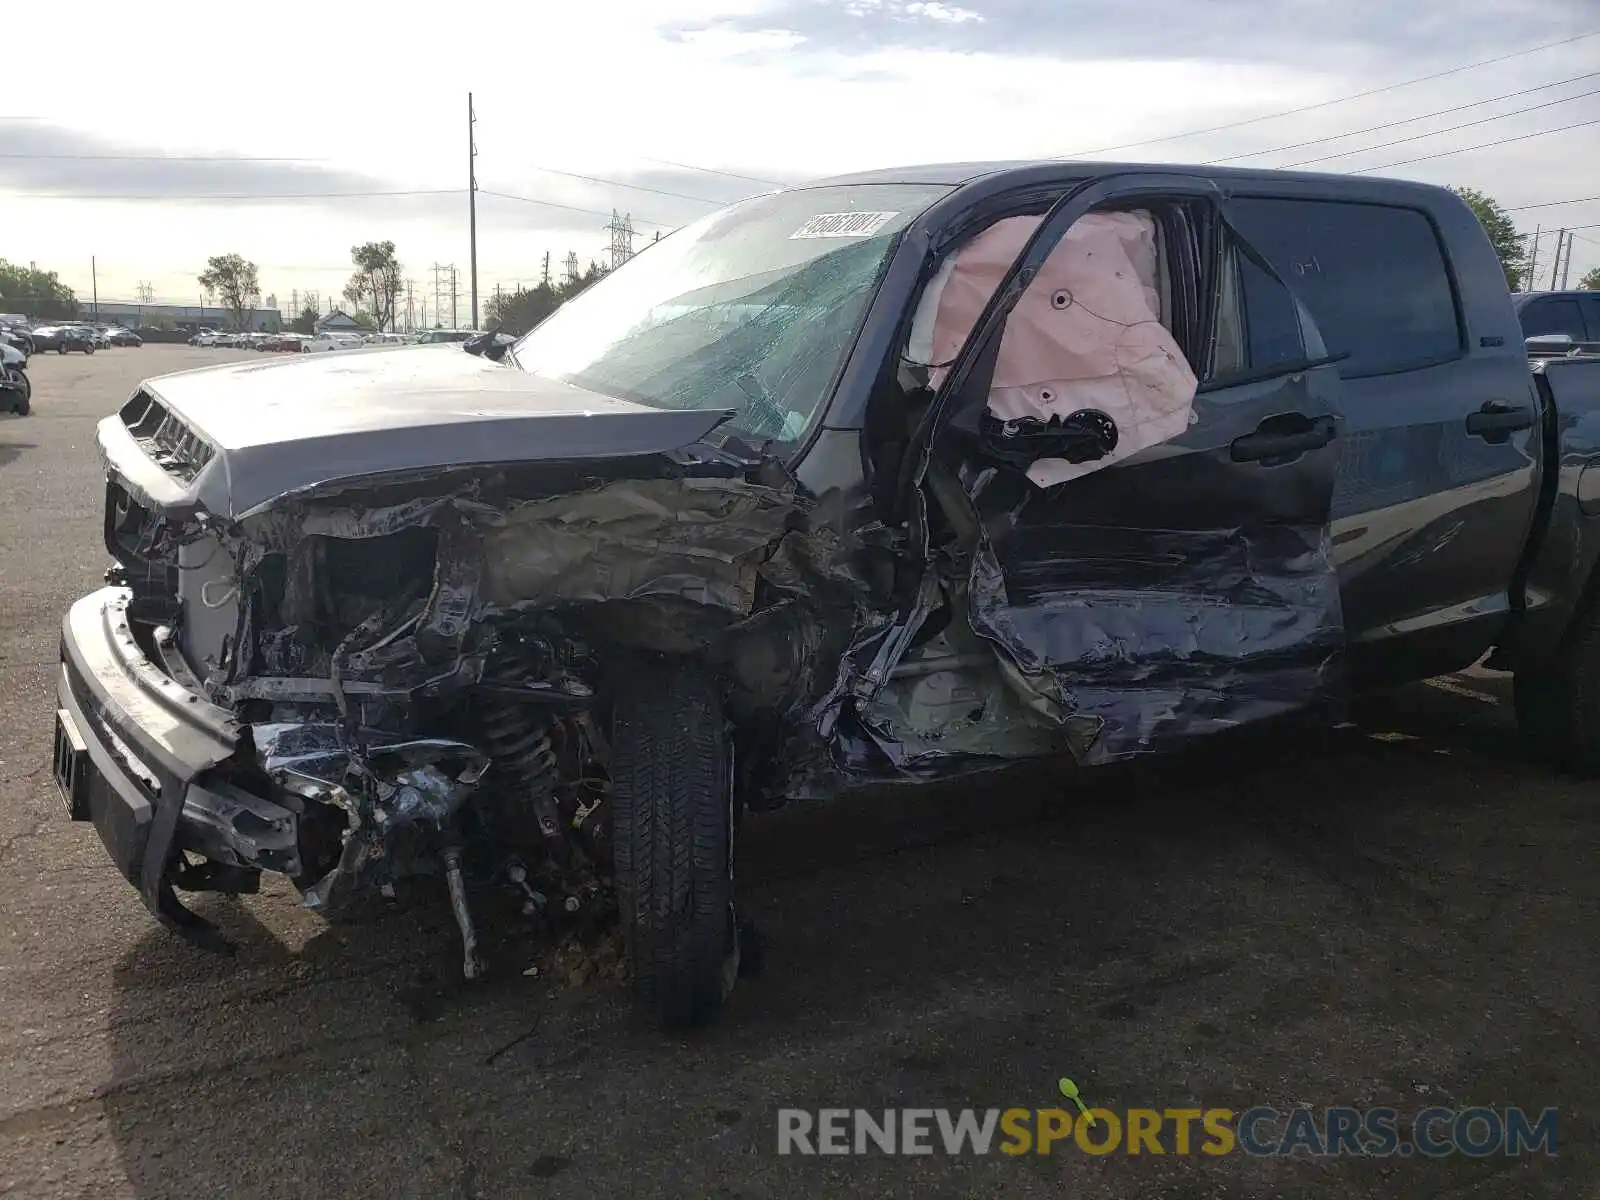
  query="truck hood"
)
[{"x": 232, "y": 439}]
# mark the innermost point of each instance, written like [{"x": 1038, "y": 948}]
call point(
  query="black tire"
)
[
  {"x": 1558, "y": 704},
  {"x": 671, "y": 769},
  {"x": 22, "y": 402},
  {"x": 1544, "y": 712}
]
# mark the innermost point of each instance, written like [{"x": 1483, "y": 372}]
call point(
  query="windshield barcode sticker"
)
[{"x": 845, "y": 224}]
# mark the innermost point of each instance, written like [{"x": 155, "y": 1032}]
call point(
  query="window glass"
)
[
  {"x": 1552, "y": 314},
  {"x": 1272, "y": 324},
  {"x": 1373, "y": 277}
]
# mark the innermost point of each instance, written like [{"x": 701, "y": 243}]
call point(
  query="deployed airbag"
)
[{"x": 1087, "y": 333}]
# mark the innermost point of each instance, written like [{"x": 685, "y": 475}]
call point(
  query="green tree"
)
[
  {"x": 376, "y": 281},
  {"x": 234, "y": 281},
  {"x": 306, "y": 322},
  {"x": 1591, "y": 280},
  {"x": 1502, "y": 231},
  {"x": 519, "y": 311},
  {"x": 36, "y": 294}
]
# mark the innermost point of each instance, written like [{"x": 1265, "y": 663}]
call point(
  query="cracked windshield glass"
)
[{"x": 752, "y": 309}]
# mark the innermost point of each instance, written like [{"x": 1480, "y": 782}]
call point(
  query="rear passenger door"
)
[{"x": 1435, "y": 490}]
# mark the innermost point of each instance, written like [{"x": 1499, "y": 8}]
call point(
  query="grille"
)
[{"x": 171, "y": 444}]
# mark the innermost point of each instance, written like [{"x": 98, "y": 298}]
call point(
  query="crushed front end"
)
[{"x": 410, "y": 675}]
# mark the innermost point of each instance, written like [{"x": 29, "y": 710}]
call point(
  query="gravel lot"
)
[{"x": 1399, "y": 913}]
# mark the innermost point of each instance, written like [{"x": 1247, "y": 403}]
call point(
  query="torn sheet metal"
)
[
  {"x": 693, "y": 539},
  {"x": 1086, "y": 334}
]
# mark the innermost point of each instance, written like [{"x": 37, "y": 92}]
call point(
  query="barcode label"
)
[{"x": 845, "y": 224}]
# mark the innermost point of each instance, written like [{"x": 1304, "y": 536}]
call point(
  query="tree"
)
[
  {"x": 377, "y": 280},
  {"x": 36, "y": 294},
  {"x": 234, "y": 281},
  {"x": 519, "y": 311},
  {"x": 306, "y": 322},
  {"x": 1502, "y": 231},
  {"x": 1591, "y": 280}
]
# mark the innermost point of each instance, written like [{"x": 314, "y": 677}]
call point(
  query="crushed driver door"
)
[{"x": 1189, "y": 587}]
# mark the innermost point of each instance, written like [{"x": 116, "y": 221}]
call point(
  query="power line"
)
[
  {"x": 592, "y": 212},
  {"x": 1481, "y": 146},
  {"x": 170, "y": 196},
  {"x": 1516, "y": 112},
  {"x": 1305, "y": 108},
  {"x": 637, "y": 187},
  {"x": 667, "y": 162},
  {"x": 1552, "y": 203},
  {"x": 221, "y": 158},
  {"x": 1334, "y": 137}
]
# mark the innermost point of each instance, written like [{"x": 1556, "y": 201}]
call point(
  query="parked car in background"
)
[
  {"x": 77, "y": 337},
  {"x": 118, "y": 336},
  {"x": 18, "y": 336},
  {"x": 331, "y": 341},
  {"x": 16, "y": 393},
  {"x": 46, "y": 337},
  {"x": 448, "y": 335}
]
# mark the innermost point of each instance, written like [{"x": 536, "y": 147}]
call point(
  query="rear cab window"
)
[
  {"x": 1552, "y": 314},
  {"x": 1373, "y": 276}
]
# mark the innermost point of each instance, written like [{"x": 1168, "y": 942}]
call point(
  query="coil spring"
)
[{"x": 517, "y": 735}]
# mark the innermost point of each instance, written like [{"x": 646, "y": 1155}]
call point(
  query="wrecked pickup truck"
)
[{"x": 887, "y": 478}]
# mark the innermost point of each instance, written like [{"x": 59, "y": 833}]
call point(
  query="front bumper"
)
[{"x": 132, "y": 751}]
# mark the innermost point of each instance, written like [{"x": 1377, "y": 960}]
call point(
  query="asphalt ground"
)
[{"x": 1401, "y": 913}]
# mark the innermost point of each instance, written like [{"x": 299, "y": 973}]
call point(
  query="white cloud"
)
[{"x": 614, "y": 91}]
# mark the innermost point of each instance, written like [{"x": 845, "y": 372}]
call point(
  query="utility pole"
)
[
  {"x": 1532, "y": 280},
  {"x": 472, "y": 204},
  {"x": 455, "y": 319},
  {"x": 94, "y": 283},
  {"x": 1566, "y": 265},
  {"x": 1555, "y": 267},
  {"x": 544, "y": 273},
  {"x": 410, "y": 324}
]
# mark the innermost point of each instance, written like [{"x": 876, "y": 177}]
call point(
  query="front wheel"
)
[{"x": 671, "y": 772}]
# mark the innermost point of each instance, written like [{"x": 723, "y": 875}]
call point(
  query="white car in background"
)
[{"x": 330, "y": 341}]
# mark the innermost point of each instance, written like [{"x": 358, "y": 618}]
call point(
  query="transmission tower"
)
[
  {"x": 544, "y": 273},
  {"x": 569, "y": 269},
  {"x": 440, "y": 271},
  {"x": 621, "y": 230}
]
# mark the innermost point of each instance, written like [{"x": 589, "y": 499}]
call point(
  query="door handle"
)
[
  {"x": 1268, "y": 444},
  {"x": 1497, "y": 420}
]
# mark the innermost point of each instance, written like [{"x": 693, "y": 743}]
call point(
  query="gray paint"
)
[{"x": 286, "y": 425}]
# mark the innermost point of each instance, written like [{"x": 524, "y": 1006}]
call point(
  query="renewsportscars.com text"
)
[{"x": 1261, "y": 1131}]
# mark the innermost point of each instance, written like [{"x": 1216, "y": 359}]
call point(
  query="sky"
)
[{"x": 149, "y": 144}]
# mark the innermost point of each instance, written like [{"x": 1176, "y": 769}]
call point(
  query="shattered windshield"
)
[{"x": 752, "y": 308}]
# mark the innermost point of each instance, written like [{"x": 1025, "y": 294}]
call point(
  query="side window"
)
[
  {"x": 1552, "y": 314},
  {"x": 1372, "y": 275},
  {"x": 1271, "y": 323}
]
